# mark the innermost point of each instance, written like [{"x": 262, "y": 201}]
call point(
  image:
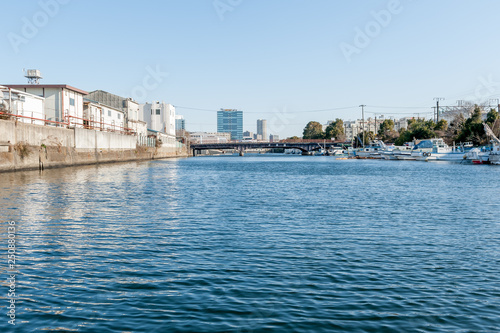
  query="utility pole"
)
[
  {"x": 437, "y": 99},
  {"x": 362, "y": 106},
  {"x": 375, "y": 131}
]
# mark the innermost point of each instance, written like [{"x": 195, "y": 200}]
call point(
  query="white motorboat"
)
[
  {"x": 478, "y": 156},
  {"x": 494, "y": 156},
  {"x": 394, "y": 152},
  {"x": 373, "y": 150},
  {"x": 438, "y": 150}
]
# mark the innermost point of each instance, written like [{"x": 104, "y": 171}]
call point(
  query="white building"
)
[
  {"x": 353, "y": 127},
  {"x": 27, "y": 107},
  {"x": 262, "y": 128},
  {"x": 401, "y": 123},
  {"x": 63, "y": 103},
  {"x": 102, "y": 117},
  {"x": 204, "y": 137},
  {"x": 131, "y": 110},
  {"x": 159, "y": 117}
]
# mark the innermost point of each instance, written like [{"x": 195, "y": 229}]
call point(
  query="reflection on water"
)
[{"x": 256, "y": 244}]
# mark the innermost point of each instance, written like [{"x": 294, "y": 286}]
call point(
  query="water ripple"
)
[{"x": 256, "y": 244}]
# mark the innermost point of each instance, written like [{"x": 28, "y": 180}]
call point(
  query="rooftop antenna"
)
[{"x": 33, "y": 76}]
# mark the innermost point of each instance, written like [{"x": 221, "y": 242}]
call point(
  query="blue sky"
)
[{"x": 273, "y": 59}]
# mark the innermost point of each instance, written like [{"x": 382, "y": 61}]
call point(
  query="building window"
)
[
  {"x": 158, "y": 111},
  {"x": 118, "y": 116},
  {"x": 72, "y": 101},
  {"x": 109, "y": 113}
]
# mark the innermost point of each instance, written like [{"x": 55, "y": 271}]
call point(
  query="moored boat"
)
[
  {"x": 437, "y": 150},
  {"x": 494, "y": 156},
  {"x": 373, "y": 150}
]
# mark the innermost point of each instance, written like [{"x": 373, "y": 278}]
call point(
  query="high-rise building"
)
[
  {"x": 180, "y": 123},
  {"x": 262, "y": 128},
  {"x": 230, "y": 121}
]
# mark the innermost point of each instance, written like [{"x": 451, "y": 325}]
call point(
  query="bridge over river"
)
[{"x": 307, "y": 147}]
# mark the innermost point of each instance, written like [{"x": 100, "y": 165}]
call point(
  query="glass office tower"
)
[{"x": 230, "y": 121}]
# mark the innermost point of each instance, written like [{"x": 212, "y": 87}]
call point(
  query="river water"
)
[{"x": 254, "y": 244}]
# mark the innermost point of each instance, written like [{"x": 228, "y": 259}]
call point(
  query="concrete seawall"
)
[{"x": 27, "y": 147}]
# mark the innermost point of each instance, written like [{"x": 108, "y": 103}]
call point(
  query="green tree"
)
[
  {"x": 386, "y": 131},
  {"x": 491, "y": 117},
  {"x": 441, "y": 125},
  {"x": 472, "y": 129},
  {"x": 293, "y": 138},
  {"x": 369, "y": 136},
  {"x": 335, "y": 130},
  {"x": 417, "y": 129},
  {"x": 313, "y": 131},
  {"x": 386, "y": 126}
]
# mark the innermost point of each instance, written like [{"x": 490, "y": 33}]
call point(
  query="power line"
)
[
  {"x": 306, "y": 111},
  {"x": 398, "y": 107},
  {"x": 371, "y": 112}
]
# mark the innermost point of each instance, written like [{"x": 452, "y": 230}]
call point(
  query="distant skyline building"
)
[
  {"x": 274, "y": 138},
  {"x": 248, "y": 134},
  {"x": 180, "y": 123},
  {"x": 262, "y": 128},
  {"x": 230, "y": 121}
]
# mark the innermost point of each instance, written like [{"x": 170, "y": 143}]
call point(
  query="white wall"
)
[
  {"x": 89, "y": 139},
  {"x": 75, "y": 111},
  {"x": 24, "y": 104},
  {"x": 113, "y": 119},
  {"x": 162, "y": 122}
]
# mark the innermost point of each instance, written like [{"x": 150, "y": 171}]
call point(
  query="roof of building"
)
[
  {"x": 64, "y": 86},
  {"x": 88, "y": 100},
  {"x": 107, "y": 98}
]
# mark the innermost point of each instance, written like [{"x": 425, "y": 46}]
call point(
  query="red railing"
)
[
  {"x": 91, "y": 124},
  {"x": 85, "y": 123},
  {"x": 34, "y": 119}
]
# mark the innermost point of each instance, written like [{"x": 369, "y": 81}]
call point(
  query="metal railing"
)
[
  {"x": 72, "y": 121},
  {"x": 101, "y": 126},
  {"x": 33, "y": 119}
]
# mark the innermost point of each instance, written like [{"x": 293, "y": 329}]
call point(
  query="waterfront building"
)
[
  {"x": 102, "y": 117},
  {"x": 26, "y": 106},
  {"x": 130, "y": 108},
  {"x": 262, "y": 128},
  {"x": 230, "y": 121},
  {"x": 63, "y": 103},
  {"x": 159, "y": 117}
]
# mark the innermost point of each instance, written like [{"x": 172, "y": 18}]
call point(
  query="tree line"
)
[{"x": 458, "y": 130}]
